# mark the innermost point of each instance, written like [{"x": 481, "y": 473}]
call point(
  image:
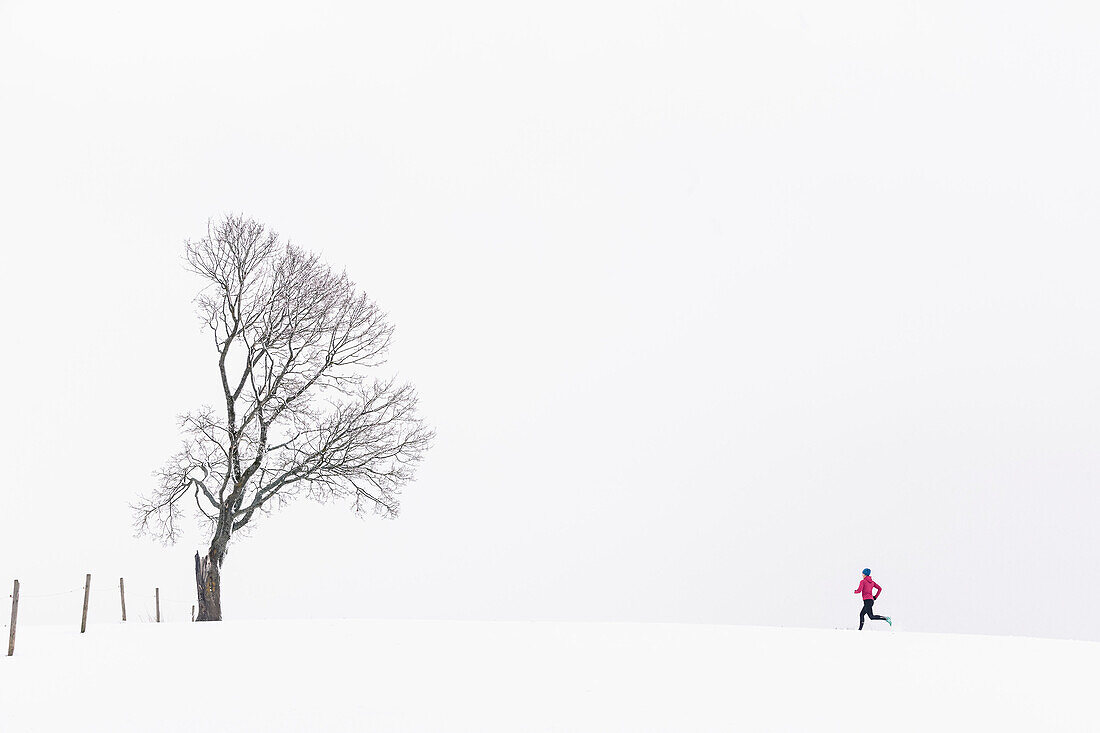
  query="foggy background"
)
[{"x": 711, "y": 304}]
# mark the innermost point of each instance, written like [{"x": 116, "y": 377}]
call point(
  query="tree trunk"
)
[{"x": 209, "y": 583}]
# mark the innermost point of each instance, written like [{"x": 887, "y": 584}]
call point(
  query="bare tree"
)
[{"x": 294, "y": 345}]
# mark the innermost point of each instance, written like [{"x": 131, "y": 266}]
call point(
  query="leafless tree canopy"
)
[{"x": 294, "y": 344}]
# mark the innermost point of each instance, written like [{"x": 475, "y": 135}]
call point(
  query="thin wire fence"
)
[
  {"x": 50, "y": 605},
  {"x": 23, "y": 595}
]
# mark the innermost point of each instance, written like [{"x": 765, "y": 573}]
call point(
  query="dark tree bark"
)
[
  {"x": 209, "y": 583},
  {"x": 293, "y": 345}
]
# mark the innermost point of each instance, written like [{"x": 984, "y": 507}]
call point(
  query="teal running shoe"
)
[{"x": 889, "y": 621}]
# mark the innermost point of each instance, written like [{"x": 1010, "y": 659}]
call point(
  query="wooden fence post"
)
[
  {"x": 158, "y": 605},
  {"x": 87, "y": 590},
  {"x": 122, "y": 592},
  {"x": 14, "y": 614}
]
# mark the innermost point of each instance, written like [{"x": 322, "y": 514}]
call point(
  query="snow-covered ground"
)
[{"x": 356, "y": 675}]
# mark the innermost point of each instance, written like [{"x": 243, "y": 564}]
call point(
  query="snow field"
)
[{"x": 379, "y": 676}]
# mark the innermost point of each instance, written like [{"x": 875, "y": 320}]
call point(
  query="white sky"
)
[{"x": 711, "y": 304}]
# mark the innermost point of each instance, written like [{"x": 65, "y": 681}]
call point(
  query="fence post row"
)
[
  {"x": 14, "y": 615},
  {"x": 87, "y": 590},
  {"x": 84, "y": 613}
]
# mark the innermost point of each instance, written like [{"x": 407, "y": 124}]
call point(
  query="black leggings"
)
[{"x": 869, "y": 610}]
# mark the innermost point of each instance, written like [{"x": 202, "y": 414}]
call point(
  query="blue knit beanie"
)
[{"x": 866, "y": 571}]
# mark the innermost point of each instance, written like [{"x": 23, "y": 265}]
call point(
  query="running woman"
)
[{"x": 870, "y": 590}]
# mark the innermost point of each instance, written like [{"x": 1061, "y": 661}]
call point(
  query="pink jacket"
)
[{"x": 865, "y": 587}]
